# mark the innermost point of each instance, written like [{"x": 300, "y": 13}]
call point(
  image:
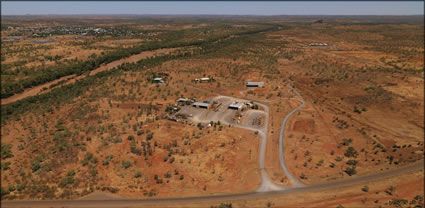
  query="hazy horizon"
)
[
  {"x": 254, "y": 15},
  {"x": 390, "y": 8}
]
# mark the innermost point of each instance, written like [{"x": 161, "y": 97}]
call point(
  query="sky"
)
[{"x": 217, "y": 8}]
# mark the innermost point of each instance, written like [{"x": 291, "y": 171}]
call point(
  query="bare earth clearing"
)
[{"x": 340, "y": 123}]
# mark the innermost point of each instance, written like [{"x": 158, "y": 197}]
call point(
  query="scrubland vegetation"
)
[{"x": 109, "y": 131}]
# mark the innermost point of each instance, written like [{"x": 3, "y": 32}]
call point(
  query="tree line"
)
[
  {"x": 57, "y": 96},
  {"x": 55, "y": 72}
]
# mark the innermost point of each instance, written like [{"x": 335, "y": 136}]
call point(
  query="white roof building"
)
[
  {"x": 184, "y": 100},
  {"x": 158, "y": 79},
  {"x": 254, "y": 84},
  {"x": 236, "y": 106}
]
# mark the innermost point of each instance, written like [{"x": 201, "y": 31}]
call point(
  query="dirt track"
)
[
  {"x": 72, "y": 78},
  {"x": 213, "y": 198},
  {"x": 267, "y": 187}
]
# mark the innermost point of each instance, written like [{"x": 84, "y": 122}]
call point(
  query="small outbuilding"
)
[
  {"x": 158, "y": 80},
  {"x": 205, "y": 79},
  {"x": 254, "y": 84},
  {"x": 249, "y": 104},
  {"x": 185, "y": 100}
]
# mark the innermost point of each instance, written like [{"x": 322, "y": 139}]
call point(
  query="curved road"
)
[
  {"x": 285, "y": 169},
  {"x": 266, "y": 183},
  {"x": 266, "y": 188},
  {"x": 210, "y": 198},
  {"x": 292, "y": 178}
]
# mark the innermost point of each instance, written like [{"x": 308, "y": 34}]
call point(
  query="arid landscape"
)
[{"x": 207, "y": 111}]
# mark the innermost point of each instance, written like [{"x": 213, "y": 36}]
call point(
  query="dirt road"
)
[
  {"x": 267, "y": 187},
  {"x": 212, "y": 198},
  {"x": 292, "y": 178},
  {"x": 72, "y": 78}
]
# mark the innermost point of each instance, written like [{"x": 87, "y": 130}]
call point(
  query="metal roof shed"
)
[
  {"x": 201, "y": 105},
  {"x": 255, "y": 84},
  {"x": 236, "y": 106},
  {"x": 158, "y": 80}
]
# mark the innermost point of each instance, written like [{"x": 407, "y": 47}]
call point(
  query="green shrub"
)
[
  {"x": 93, "y": 172},
  {"x": 6, "y": 151},
  {"x": 149, "y": 136},
  {"x": 71, "y": 173},
  {"x": 5, "y": 165},
  {"x": 350, "y": 171},
  {"x": 84, "y": 162},
  {"x": 11, "y": 188},
  {"x": 134, "y": 149},
  {"x": 352, "y": 162},
  {"x": 88, "y": 156},
  {"x": 65, "y": 181},
  {"x": 167, "y": 174},
  {"x": 138, "y": 174},
  {"x": 126, "y": 164},
  {"x": 4, "y": 191},
  {"x": 20, "y": 187},
  {"x": 45, "y": 168},
  {"x": 398, "y": 202},
  {"x": 346, "y": 141},
  {"x": 140, "y": 132},
  {"x": 35, "y": 165},
  {"x": 223, "y": 205},
  {"x": 351, "y": 152}
]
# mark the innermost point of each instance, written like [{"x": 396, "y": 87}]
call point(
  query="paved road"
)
[
  {"x": 266, "y": 183},
  {"x": 210, "y": 198},
  {"x": 285, "y": 169},
  {"x": 291, "y": 177},
  {"x": 267, "y": 187}
]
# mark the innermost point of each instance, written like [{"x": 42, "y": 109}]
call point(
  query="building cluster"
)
[
  {"x": 44, "y": 41},
  {"x": 318, "y": 44},
  {"x": 73, "y": 30},
  {"x": 12, "y": 38},
  {"x": 235, "y": 105}
]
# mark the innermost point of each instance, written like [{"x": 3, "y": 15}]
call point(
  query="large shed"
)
[
  {"x": 201, "y": 105},
  {"x": 236, "y": 106}
]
